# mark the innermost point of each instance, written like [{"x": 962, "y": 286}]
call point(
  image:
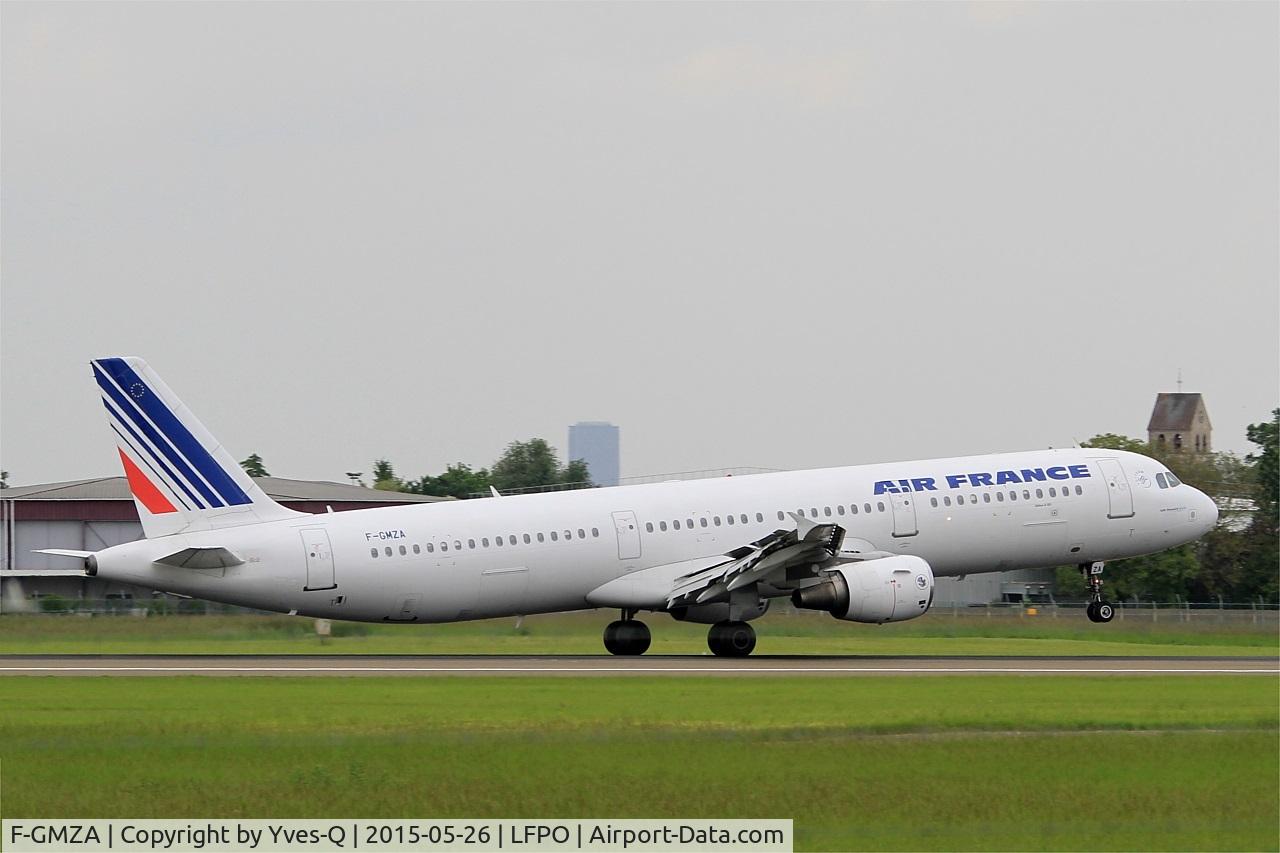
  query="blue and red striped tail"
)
[{"x": 181, "y": 477}]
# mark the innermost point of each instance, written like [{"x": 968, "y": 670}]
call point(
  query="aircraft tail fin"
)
[{"x": 181, "y": 477}]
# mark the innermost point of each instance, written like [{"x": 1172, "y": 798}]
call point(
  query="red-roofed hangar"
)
[{"x": 89, "y": 515}]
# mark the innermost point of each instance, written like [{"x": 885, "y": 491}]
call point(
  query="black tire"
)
[
  {"x": 1103, "y": 611},
  {"x": 731, "y": 639},
  {"x": 1091, "y": 610},
  {"x": 627, "y": 637}
]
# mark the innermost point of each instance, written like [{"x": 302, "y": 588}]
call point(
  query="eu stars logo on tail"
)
[{"x": 181, "y": 478}]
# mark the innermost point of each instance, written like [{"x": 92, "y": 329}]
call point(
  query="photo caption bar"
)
[{"x": 325, "y": 836}]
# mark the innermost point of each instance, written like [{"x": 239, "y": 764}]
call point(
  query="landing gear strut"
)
[
  {"x": 1099, "y": 609},
  {"x": 731, "y": 639},
  {"x": 627, "y": 636}
]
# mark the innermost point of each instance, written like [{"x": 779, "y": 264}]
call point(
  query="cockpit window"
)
[
  {"x": 1161, "y": 482},
  {"x": 1173, "y": 481}
]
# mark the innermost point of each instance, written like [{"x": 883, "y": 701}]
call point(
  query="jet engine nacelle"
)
[{"x": 891, "y": 589}]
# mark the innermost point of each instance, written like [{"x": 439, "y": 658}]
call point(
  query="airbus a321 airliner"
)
[{"x": 863, "y": 543}]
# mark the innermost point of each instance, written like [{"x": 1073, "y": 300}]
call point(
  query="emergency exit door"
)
[
  {"x": 315, "y": 544},
  {"x": 628, "y": 530},
  {"x": 904, "y": 514},
  {"x": 1121, "y": 499}
]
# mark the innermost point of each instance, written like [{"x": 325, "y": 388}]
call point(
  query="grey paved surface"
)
[{"x": 706, "y": 665}]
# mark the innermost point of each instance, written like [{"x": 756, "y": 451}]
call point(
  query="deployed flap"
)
[
  {"x": 648, "y": 589},
  {"x": 201, "y": 558},
  {"x": 809, "y": 542}
]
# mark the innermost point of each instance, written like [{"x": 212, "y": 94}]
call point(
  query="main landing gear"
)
[
  {"x": 1099, "y": 609},
  {"x": 627, "y": 636},
  {"x": 731, "y": 639}
]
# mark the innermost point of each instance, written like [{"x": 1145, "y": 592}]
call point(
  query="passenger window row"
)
[
  {"x": 500, "y": 541},
  {"x": 999, "y": 496}
]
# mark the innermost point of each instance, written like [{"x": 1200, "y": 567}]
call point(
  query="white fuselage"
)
[{"x": 441, "y": 562}]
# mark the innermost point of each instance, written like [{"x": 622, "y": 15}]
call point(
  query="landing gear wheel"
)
[
  {"x": 627, "y": 637},
  {"x": 731, "y": 639},
  {"x": 1103, "y": 611},
  {"x": 1098, "y": 609}
]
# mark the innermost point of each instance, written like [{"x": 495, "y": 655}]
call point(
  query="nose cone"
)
[{"x": 1208, "y": 511}]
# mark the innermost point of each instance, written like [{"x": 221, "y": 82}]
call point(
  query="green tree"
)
[
  {"x": 1259, "y": 564},
  {"x": 253, "y": 466},
  {"x": 533, "y": 463},
  {"x": 384, "y": 477},
  {"x": 576, "y": 472},
  {"x": 458, "y": 481},
  {"x": 1112, "y": 441}
]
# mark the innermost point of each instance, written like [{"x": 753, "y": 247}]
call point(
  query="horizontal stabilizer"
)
[
  {"x": 63, "y": 552},
  {"x": 201, "y": 558}
]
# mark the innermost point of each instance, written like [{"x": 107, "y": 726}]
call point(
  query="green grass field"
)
[
  {"x": 1067, "y": 762},
  {"x": 579, "y": 633}
]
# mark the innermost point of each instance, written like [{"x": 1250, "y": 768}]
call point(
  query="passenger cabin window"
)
[
  {"x": 933, "y": 501},
  {"x": 703, "y": 521},
  {"x": 853, "y": 509},
  {"x": 662, "y": 525},
  {"x": 867, "y": 507},
  {"x": 839, "y": 509},
  {"x": 717, "y": 521},
  {"x": 880, "y": 505},
  {"x": 743, "y": 518},
  {"x": 568, "y": 535},
  {"x": 1000, "y": 497},
  {"x": 555, "y": 537},
  {"x": 729, "y": 518},
  {"x": 541, "y": 538},
  {"x": 388, "y": 550},
  {"x": 946, "y": 501},
  {"x": 760, "y": 517},
  {"x": 1039, "y": 493},
  {"x": 960, "y": 500},
  {"x": 444, "y": 546},
  {"x": 403, "y": 551},
  {"x": 511, "y": 540},
  {"x": 484, "y": 540},
  {"x": 1079, "y": 491},
  {"x": 986, "y": 497},
  {"x": 675, "y": 525},
  {"x": 781, "y": 517},
  {"x": 373, "y": 552},
  {"x": 526, "y": 538},
  {"x": 497, "y": 540},
  {"x": 457, "y": 544},
  {"x": 648, "y": 526},
  {"x": 826, "y": 510},
  {"x": 582, "y": 534},
  {"x": 417, "y": 550},
  {"x": 430, "y": 548},
  {"x": 595, "y": 532}
]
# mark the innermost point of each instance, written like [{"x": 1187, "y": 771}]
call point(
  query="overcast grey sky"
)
[{"x": 779, "y": 235}]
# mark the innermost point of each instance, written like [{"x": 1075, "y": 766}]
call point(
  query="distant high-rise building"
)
[{"x": 596, "y": 443}]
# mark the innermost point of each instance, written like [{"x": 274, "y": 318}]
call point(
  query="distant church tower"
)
[{"x": 1180, "y": 422}]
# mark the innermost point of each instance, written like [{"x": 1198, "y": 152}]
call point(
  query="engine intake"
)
[{"x": 891, "y": 589}]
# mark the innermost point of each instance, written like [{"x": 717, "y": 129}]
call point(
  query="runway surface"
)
[{"x": 551, "y": 665}]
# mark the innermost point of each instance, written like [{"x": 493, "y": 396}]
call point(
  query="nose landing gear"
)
[
  {"x": 627, "y": 636},
  {"x": 1099, "y": 609}
]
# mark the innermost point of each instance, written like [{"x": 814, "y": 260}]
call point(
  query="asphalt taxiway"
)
[{"x": 600, "y": 665}]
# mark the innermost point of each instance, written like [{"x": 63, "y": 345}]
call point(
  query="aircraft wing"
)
[{"x": 809, "y": 542}]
